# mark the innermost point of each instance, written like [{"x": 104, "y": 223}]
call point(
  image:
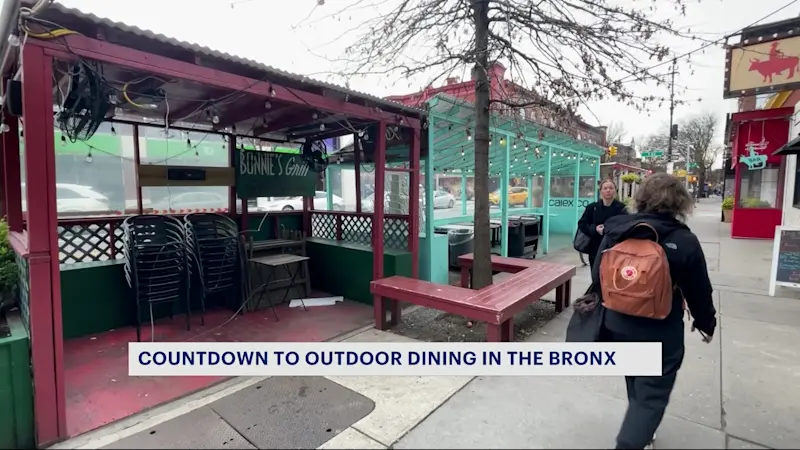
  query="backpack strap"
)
[{"x": 644, "y": 225}]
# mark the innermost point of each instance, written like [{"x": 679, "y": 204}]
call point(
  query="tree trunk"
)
[
  {"x": 701, "y": 181},
  {"x": 482, "y": 266}
]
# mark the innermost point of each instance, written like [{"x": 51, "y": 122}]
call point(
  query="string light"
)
[{"x": 89, "y": 156}]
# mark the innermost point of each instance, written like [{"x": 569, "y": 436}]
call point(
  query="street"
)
[{"x": 739, "y": 391}]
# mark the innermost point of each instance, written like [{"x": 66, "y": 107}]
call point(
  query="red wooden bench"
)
[{"x": 495, "y": 304}]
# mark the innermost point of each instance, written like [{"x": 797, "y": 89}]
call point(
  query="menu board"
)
[{"x": 785, "y": 259}]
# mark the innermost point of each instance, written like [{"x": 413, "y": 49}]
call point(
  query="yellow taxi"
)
[{"x": 516, "y": 196}]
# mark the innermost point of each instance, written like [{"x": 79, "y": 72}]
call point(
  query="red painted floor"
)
[{"x": 99, "y": 390}]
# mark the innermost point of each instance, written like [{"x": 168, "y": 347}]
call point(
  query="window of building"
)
[{"x": 759, "y": 188}]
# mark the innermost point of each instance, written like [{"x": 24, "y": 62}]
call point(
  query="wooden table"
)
[
  {"x": 272, "y": 244},
  {"x": 272, "y": 262}
]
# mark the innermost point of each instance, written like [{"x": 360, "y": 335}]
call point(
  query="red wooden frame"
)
[
  {"x": 39, "y": 243},
  {"x": 86, "y": 47},
  {"x": 47, "y": 350}
]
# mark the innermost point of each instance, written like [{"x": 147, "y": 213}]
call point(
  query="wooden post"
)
[
  {"x": 413, "y": 203},
  {"x": 47, "y": 346}
]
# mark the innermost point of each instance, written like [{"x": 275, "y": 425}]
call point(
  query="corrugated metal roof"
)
[{"x": 208, "y": 52}]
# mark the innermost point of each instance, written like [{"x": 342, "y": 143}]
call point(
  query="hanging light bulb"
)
[
  {"x": 89, "y": 157},
  {"x": 188, "y": 143},
  {"x": 63, "y": 141},
  {"x": 537, "y": 149},
  {"x": 13, "y": 40},
  {"x": 215, "y": 119},
  {"x": 515, "y": 145},
  {"x": 272, "y": 91},
  {"x": 196, "y": 155},
  {"x": 4, "y": 128},
  {"x": 502, "y": 140},
  {"x": 322, "y": 127},
  {"x": 469, "y": 135},
  {"x": 462, "y": 151},
  {"x": 113, "y": 130},
  {"x": 527, "y": 147}
]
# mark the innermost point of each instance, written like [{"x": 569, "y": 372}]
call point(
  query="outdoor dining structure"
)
[
  {"x": 541, "y": 181},
  {"x": 135, "y": 173},
  {"x": 104, "y": 126}
]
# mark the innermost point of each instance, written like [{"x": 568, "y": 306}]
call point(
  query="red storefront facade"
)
[{"x": 758, "y": 188}]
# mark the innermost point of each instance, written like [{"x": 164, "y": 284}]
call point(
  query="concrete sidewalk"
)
[{"x": 739, "y": 391}]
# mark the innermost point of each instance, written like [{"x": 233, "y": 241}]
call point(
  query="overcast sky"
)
[{"x": 288, "y": 35}]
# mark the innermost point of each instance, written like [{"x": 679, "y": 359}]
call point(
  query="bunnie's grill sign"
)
[{"x": 272, "y": 174}]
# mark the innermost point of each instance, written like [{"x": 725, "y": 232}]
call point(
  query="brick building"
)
[{"x": 503, "y": 89}]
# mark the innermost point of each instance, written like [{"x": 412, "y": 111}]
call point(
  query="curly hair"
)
[{"x": 663, "y": 193}]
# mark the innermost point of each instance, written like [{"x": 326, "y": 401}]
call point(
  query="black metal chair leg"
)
[
  {"x": 264, "y": 290},
  {"x": 291, "y": 283},
  {"x": 202, "y": 309},
  {"x": 138, "y": 319}
]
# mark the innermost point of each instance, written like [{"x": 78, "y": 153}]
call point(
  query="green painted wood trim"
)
[
  {"x": 350, "y": 280},
  {"x": 16, "y": 389}
]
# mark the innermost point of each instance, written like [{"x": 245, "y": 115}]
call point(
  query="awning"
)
[{"x": 791, "y": 148}]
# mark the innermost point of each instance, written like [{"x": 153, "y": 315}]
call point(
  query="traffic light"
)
[{"x": 612, "y": 151}]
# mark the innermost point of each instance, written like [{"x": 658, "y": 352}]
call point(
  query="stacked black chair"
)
[
  {"x": 216, "y": 258},
  {"x": 156, "y": 265}
]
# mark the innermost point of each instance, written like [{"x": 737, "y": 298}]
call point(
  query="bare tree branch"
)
[{"x": 572, "y": 51}]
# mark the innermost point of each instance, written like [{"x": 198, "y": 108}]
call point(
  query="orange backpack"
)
[{"x": 635, "y": 278}]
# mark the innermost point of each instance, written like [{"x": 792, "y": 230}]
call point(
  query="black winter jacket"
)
[
  {"x": 597, "y": 214},
  {"x": 688, "y": 269}
]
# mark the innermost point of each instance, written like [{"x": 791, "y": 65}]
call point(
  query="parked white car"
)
[
  {"x": 73, "y": 198},
  {"x": 443, "y": 199},
  {"x": 296, "y": 203}
]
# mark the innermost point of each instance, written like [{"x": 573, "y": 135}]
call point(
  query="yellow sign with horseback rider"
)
[{"x": 763, "y": 68}]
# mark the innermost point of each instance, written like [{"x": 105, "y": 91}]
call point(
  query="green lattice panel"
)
[
  {"x": 90, "y": 242},
  {"x": 357, "y": 229},
  {"x": 23, "y": 290},
  {"x": 395, "y": 233},
  {"x": 323, "y": 225}
]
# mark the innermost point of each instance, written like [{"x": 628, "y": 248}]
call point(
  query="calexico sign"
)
[{"x": 270, "y": 174}]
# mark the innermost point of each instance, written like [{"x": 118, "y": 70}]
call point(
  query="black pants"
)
[
  {"x": 647, "y": 396},
  {"x": 647, "y": 401}
]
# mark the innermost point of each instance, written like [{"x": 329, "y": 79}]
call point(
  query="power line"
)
[{"x": 710, "y": 43}]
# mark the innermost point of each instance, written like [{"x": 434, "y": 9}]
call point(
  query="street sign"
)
[
  {"x": 653, "y": 154},
  {"x": 691, "y": 165}
]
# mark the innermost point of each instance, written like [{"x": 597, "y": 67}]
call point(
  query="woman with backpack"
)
[
  {"x": 621, "y": 306},
  {"x": 592, "y": 222}
]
